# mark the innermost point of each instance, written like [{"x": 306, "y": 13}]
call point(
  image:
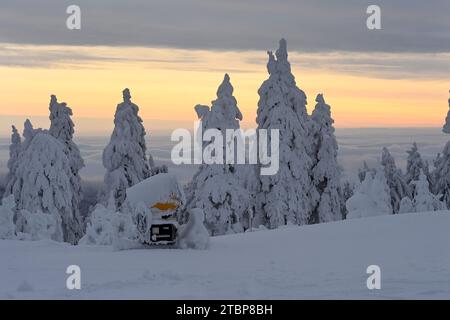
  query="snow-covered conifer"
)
[
  {"x": 446, "y": 127},
  {"x": 415, "y": 165},
  {"x": 13, "y": 186},
  {"x": 326, "y": 173},
  {"x": 7, "y": 227},
  {"x": 99, "y": 229},
  {"x": 62, "y": 128},
  {"x": 218, "y": 189},
  {"x": 125, "y": 156},
  {"x": 364, "y": 170},
  {"x": 14, "y": 153},
  {"x": 287, "y": 196},
  {"x": 441, "y": 175},
  {"x": 43, "y": 185},
  {"x": 347, "y": 190},
  {"x": 406, "y": 205},
  {"x": 371, "y": 198},
  {"x": 423, "y": 199},
  {"x": 395, "y": 180}
]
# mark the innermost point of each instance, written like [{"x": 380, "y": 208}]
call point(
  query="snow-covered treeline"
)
[{"x": 44, "y": 197}]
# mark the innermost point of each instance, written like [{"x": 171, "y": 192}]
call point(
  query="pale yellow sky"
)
[{"x": 167, "y": 83}]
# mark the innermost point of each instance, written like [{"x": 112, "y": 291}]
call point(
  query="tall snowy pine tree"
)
[
  {"x": 441, "y": 175},
  {"x": 14, "y": 153},
  {"x": 125, "y": 156},
  {"x": 414, "y": 165},
  {"x": 395, "y": 180},
  {"x": 218, "y": 189},
  {"x": 287, "y": 196},
  {"x": 62, "y": 128},
  {"x": 326, "y": 173}
]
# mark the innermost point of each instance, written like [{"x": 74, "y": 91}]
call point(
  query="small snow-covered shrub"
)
[
  {"x": 40, "y": 226},
  {"x": 123, "y": 226},
  {"x": 371, "y": 198},
  {"x": 406, "y": 205},
  {"x": 7, "y": 227},
  {"x": 99, "y": 230},
  {"x": 194, "y": 234}
]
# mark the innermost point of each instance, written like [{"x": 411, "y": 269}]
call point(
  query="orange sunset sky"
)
[
  {"x": 173, "y": 55},
  {"x": 166, "y": 83}
]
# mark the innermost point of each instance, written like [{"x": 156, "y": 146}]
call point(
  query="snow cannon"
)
[{"x": 164, "y": 198}]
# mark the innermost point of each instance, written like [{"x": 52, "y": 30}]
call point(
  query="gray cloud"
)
[{"x": 323, "y": 25}]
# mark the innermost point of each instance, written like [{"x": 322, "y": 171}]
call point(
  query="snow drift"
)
[{"x": 411, "y": 250}]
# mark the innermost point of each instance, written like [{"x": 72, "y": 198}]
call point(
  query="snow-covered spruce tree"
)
[
  {"x": 7, "y": 227},
  {"x": 446, "y": 127},
  {"x": 395, "y": 180},
  {"x": 43, "y": 185},
  {"x": 217, "y": 189},
  {"x": 13, "y": 188},
  {"x": 62, "y": 128},
  {"x": 325, "y": 172},
  {"x": 423, "y": 199},
  {"x": 125, "y": 156},
  {"x": 287, "y": 196},
  {"x": 347, "y": 190},
  {"x": 414, "y": 165},
  {"x": 371, "y": 197},
  {"x": 14, "y": 153},
  {"x": 441, "y": 175}
]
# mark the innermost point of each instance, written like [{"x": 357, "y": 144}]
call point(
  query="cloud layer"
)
[{"x": 323, "y": 25}]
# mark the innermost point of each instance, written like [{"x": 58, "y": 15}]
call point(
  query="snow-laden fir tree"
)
[
  {"x": 62, "y": 128},
  {"x": 395, "y": 180},
  {"x": 423, "y": 199},
  {"x": 287, "y": 196},
  {"x": 325, "y": 172},
  {"x": 217, "y": 189},
  {"x": 347, "y": 190},
  {"x": 43, "y": 185},
  {"x": 125, "y": 156},
  {"x": 415, "y": 165},
  {"x": 28, "y": 134},
  {"x": 14, "y": 153},
  {"x": 371, "y": 197},
  {"x": 7, "y": 227},
  {"x": 446, "y": 127},
  {"x": 441, "y": 175}
]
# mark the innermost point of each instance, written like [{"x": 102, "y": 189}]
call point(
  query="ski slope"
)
[{"x": 318, "y": 261}]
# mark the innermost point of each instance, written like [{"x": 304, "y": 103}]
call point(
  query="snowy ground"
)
[{"x": 318, "y": 261}]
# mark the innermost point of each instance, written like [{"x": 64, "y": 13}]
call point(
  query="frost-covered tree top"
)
[
  {"x": 125, "y": 156},
  {"x": 43, "y": 184},
  {"x": 321, "y": 115},
  {"x": 224, "y": 112},
  {"x": 14, "y": 152},
  {"x": 286, "y": 196},
  {"x": 325, "y": 172},
  {"x": 446, "y": 127},
  {"x": 395, "y": 180}
]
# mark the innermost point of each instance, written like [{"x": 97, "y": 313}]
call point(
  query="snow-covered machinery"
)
[{"x": 157, "y": 201}]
